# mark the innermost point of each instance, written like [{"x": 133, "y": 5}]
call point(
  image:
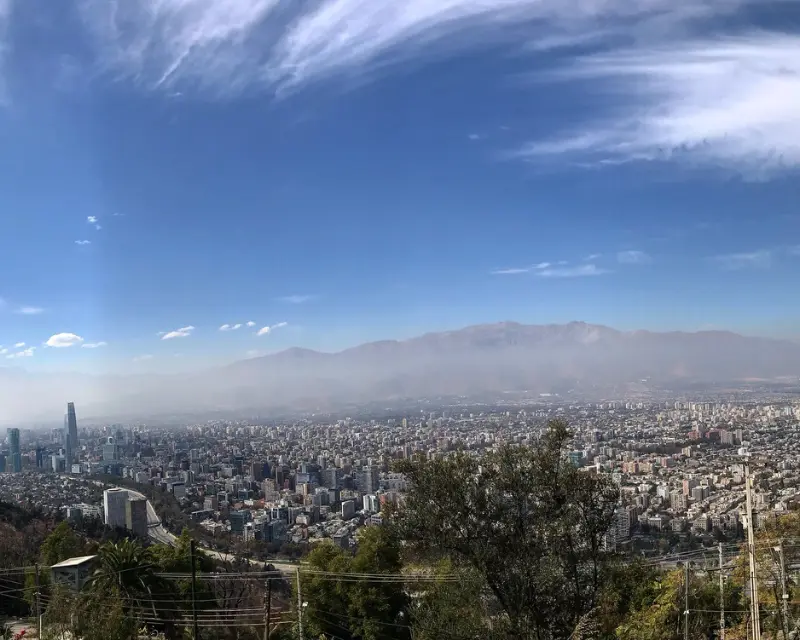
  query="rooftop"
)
[{"x": 73, "y": 562}]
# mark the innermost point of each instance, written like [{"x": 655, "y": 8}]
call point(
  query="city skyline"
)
[{"x": 181, "y": 194}]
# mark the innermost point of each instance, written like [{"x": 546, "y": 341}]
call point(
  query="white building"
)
[{"x": 114, "y": 503}]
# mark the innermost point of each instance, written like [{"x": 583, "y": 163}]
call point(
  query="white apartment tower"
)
[{"x": 114, "y": 504}]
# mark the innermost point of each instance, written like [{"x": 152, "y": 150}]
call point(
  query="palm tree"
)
[{"x": 128, "y": 569}]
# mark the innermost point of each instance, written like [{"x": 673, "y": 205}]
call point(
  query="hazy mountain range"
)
[{"x": 483, "y": 359}]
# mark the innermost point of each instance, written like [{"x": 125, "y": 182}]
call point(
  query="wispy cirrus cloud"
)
[
  {"x": 183, "y": 332},
  {"x": 296, "y": 298},
  {"x": 560, "y": 269},
  {"x": 94, "y": 345},
  {"x": 83, "y": 242},
  {"x": 512, "y": 271},
  {"x": 578, "y": 271},
  {"x": 722, "y": 102},
  {"x": 29, "y": 311},
  {"x": 231, "y": 327},
  {"x": 748, "y": 260},
  {"x": 227, "y": 46},
  {"x": 633, "y": 257},
  {"x": 25, "y": 353},
  {"x": 269, "y": 329}
]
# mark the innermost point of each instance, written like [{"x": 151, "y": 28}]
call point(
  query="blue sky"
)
[{"x": 337, "y": 171}]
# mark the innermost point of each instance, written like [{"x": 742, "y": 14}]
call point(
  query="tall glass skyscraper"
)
[
  {"x": 15, "y": 455},
  {"x": 71, "y": 432}
]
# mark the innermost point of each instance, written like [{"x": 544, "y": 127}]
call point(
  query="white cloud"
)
[
  {"x": 579, "y": 271},
  {"x": 3, "y": 350},
  {"x": 230, "y": 327},
  {"x": 735, "y": 261},
  {"x": 183, "y": 332},
  {"x": 518, "y": 270},
  {"x": 225, "y": 327},
  {"x": 94, "y": 345},
  {"x": 296, "y": 299},
  {"x": 633, "y": 257},
  {"x": 143, "y": 357},
  {"x": 250, "y": 323},
  {"x": 266, "y": 330},
  {"x": 729, "y": 103},
  {"x": 166, "y": 43},
  {"x": 61, "y": 340},
  {"x": 19, "y": 345},
  {"x": 30, "y": 311},
  {"x": 26, "y": 353},
  {"x": 226, "y": 46},
  {"x": 83, "y": 242},
  {"x": 511, "y": 271},
  {"x": 593, "y": 256},
  {"x": 91, "y": 219}
]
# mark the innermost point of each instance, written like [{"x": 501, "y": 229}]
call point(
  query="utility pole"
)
[
  {"x": 268, "y": 607},
  {"x": 721, "y": 596},
  {"x": 751, "y": 552},
  {"x": 784, "y": 595},
  {"x": 195, "y": 631},
  {"x": 686, "y": 603},
  {"x": 299, "y": 605},
  {"x": 38, "y": 606}
]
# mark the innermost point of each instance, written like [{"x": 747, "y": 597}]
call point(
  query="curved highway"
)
[{"x": 158, "y": 533}]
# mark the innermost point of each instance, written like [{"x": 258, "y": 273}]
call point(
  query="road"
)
[{"x": 159, "y": 533}]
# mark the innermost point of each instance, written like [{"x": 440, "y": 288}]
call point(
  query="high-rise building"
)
[
  {"x": 136, "y": 516},
  {"x": 15, "y": 455},
  {"x": 115, "y": 506},
  {"x": 110, "y": 450},
  {"x": 72, "y": 426},
  {"x": 370, "y": 479}
]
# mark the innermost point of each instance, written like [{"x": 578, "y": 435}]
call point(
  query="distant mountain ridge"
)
[{"x": 480, "y": 359}]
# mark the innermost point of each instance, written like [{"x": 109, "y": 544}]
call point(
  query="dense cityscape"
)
[{"x": 276, "y": 490}]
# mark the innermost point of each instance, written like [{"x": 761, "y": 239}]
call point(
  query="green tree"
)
[
  {"x": 449, "y": 606},
  {"x": 61, "y": 544},
  {"x": 129, "y": 569},
  {"x": 661, "y": 616},
  {"x": 523, "y": 518},
  {"x": 346, "y": 596}
]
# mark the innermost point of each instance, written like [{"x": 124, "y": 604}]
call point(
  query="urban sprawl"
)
[{"x": 281, "y": 488}]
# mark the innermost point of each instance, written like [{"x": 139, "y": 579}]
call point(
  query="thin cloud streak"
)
[
  {"x": 296, "y": 299},
  {"x": 580, "y": 271},
  {"x": 26, "y": 353},
  {"x": 183, "y": 332},
  {"x": 633, "y": 257},
  {"x": 94, "y": 345},
  {"x": 30, "y": 311},
  {"x": 736, "y": 261},
  {"x": 263, "y": 331},
  {"x": 724, "y": 103}
]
